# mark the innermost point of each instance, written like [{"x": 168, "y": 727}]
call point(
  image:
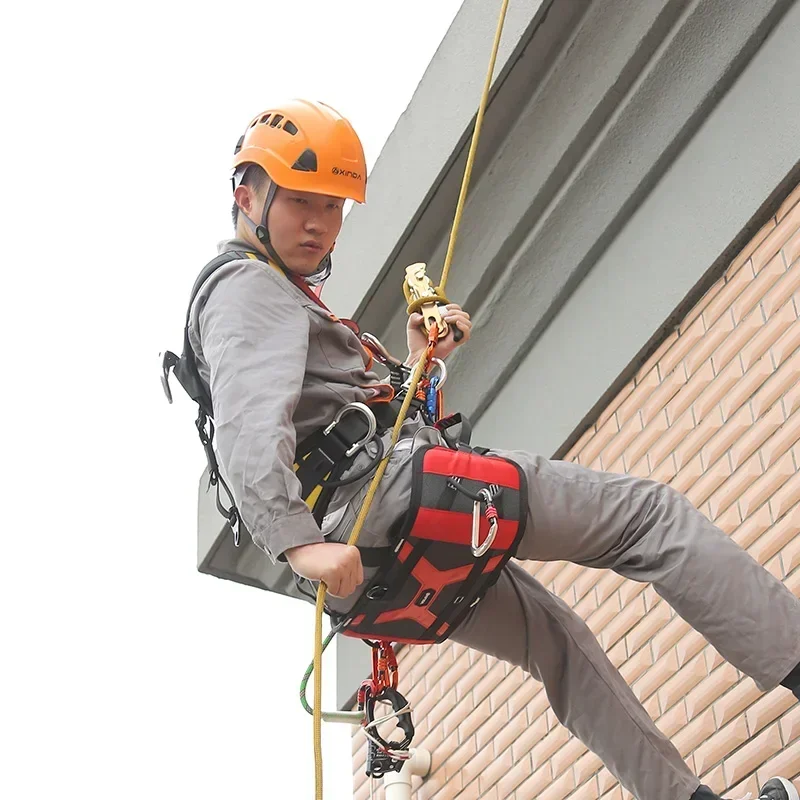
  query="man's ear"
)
[{"x": 245, "y": 199}]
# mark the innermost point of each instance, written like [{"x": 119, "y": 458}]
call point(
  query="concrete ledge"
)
[
  {"x": 427, "y": 138},
  {"x": 679, "y": 239}
]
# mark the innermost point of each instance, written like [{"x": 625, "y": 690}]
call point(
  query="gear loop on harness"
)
[
  {"x": 328, "y": 483},
  {"x": 456, "y": 484}
]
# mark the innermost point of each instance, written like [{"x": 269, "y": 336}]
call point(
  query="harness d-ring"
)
[{"x": 361, "y": 408}]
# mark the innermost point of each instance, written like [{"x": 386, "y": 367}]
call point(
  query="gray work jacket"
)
[{"x": 279, "y": 366}]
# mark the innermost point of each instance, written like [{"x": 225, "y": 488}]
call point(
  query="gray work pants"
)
[{"x": 644, "y": 531}]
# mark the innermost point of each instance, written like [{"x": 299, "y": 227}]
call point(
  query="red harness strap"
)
[{"x": 312, "y": 295}]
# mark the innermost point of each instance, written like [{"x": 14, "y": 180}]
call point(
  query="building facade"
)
[{"x": 715, "y": 412}]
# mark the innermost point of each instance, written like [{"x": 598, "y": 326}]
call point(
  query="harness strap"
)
[
  {"x": 185, "y": 367},
  {"x": 205, "y": 429},
  {"x": 456, "y": 430},
  {"x": 376, "y": 556}
]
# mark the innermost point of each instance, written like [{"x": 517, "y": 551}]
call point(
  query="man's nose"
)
[{"x": 315, "y": 224}]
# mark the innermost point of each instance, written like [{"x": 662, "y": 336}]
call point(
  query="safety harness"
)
[
  {"x": 185, "y": 369},
  {"x": 465, "y": 519}
]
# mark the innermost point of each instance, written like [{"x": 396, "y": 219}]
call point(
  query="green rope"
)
[{"x": 352, "y": 717}]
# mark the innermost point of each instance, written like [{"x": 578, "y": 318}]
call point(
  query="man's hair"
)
[{"x": 257, "y": 179}]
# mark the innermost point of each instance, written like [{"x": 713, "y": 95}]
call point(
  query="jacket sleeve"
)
[{"x": 254, "y": 338}]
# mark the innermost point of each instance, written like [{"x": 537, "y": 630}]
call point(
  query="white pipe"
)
[{"x": 397, "y": 785}]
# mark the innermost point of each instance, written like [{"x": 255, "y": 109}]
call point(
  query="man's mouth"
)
[{"x": 313, "y": 246}]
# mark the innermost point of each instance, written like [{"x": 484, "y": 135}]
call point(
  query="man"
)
[{"x": 280, "y": 365}]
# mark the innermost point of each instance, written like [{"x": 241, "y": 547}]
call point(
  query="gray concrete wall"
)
[
  {"x": 426, "y": 140},
  {"x": 706, "y": 201},
  {"x": 573, "y": 169}
]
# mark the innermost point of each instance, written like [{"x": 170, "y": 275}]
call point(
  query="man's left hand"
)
[{"x": 417, "y": 336}]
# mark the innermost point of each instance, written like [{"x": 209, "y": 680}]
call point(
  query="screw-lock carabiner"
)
[{"x": 486, "y": 496}]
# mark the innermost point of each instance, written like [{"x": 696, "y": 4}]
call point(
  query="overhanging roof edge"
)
[{"x": 413, "y": 162}]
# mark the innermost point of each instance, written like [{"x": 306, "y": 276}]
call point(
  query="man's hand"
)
[
  {"x": 337, "y": 565},
  {"x": 417, "y": 336}
]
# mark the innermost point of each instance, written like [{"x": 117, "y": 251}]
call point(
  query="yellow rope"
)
[
  {"x": 412, "y": 388},
  {"x": 448, "y": 259},
  {"x": 322, "y": 590}
]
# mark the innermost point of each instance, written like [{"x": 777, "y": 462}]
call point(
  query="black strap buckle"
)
[{"x": 459, "y": 438}]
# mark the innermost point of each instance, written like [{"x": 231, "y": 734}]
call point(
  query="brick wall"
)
[{"x": 715, "y": 412}]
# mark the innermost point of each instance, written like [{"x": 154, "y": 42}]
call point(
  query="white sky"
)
[{"x": 127, "y": 674}]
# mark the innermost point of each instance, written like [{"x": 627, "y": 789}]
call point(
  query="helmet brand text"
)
[{"x": 347, "y": 173}]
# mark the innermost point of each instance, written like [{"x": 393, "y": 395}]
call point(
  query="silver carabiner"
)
[
  {"x": 438, "y": 364},
  {"x": 479, "y": 549},
  {"x": 374, "y": 345},
  {"x": 442, "y": 367},
  {"x": 361, "y": 408}
]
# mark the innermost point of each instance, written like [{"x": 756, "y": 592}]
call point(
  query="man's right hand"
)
[{"x": 337, "y": 565}]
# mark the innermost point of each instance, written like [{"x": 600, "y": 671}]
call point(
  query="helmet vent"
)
[
  {"x": 290, "y": 127},
  {"x": 275, "y": 120},
  {"x": 265, "y": 119},
  {"x": 307, "y": 162}
]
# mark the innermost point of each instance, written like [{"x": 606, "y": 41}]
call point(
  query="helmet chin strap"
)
[{"x": 323, "y": 271}]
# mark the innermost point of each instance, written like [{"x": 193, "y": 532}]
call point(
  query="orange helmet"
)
[{"x": 307, "y": 147}]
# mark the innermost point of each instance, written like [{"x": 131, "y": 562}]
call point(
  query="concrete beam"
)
[
  {"x": 715, "y": 194},
  {"x": 429, "y": 135},
  {"x": 581, "y": 157}
]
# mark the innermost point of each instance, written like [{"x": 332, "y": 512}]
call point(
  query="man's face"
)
[{"x": 303, "y": 228}]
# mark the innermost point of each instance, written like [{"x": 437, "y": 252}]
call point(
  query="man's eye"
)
[{"x": 299, "y": 200}]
